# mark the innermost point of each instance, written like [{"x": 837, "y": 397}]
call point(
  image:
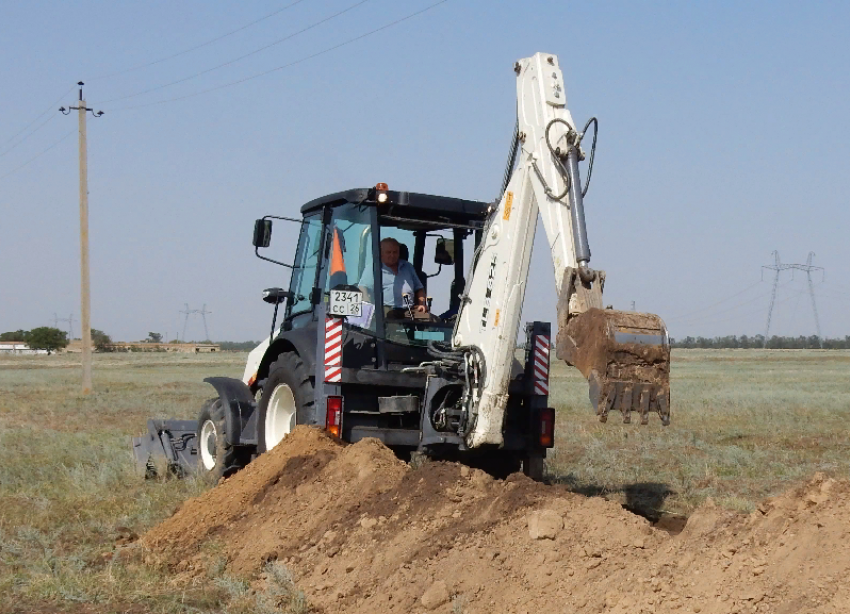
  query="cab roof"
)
[{"x": 406, "y": 204}]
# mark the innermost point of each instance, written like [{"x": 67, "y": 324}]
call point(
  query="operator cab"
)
[{"x": 395, "y": 261}]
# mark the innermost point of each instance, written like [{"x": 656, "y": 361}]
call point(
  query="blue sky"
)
[{"x": 723, "y": 137}]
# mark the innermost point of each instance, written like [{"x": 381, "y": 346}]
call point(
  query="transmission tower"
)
[
  {"x": 201, "y": 312},
  {"x": 778, "y": 267},
  {"x": 69, "y": 320}
]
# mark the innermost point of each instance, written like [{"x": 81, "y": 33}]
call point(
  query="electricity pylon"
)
[
  {"x": 201, "y": 312},
  {"x": 778, "y": 267},
  {"x": 69, "y": 320}
]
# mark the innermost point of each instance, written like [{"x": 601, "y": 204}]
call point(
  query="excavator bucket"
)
[{"x": 625, "y": 357}]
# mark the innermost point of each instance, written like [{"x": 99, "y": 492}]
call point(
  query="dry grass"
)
[
  {"x": 70, "y": 495},
  {"x": 746, "y": 424}
]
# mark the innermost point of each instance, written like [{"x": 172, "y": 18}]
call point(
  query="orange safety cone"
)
[{"x": 338, "y": 274}]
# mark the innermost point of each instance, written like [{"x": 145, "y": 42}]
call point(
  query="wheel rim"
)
[
  {"x": 280, "y": 415},
  {"x": 207, "y": 444}
]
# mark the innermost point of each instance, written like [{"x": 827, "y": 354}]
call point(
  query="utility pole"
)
[
  {"x": 85, "y": 297},
  {"x": 778, "y": 267}
]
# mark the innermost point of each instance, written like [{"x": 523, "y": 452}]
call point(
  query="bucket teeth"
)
[
  {"x": 627, "y": 397},
  {"x": 625, "y": 357}
]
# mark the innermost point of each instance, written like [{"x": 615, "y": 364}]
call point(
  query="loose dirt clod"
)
[{"x": 362, "y": 532}]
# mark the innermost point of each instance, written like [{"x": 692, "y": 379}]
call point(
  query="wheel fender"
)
[
  {"x": 240, "y": 410},
  {"x": 301, "y": 341}
]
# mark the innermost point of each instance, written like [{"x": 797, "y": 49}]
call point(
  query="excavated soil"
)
[
  {"x": 362, "y": 532},
  {"x": 584, "y": 342}
]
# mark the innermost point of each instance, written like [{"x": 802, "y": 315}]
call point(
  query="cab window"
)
[
  {"x": 305, "y": 267},
  {"x": 350, "y": 263}
]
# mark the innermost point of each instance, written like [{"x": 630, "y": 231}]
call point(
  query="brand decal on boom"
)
[{"x": 491, "y": 279}]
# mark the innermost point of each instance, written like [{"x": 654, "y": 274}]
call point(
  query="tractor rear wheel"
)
[
  {"x": 216, "y": 458},
  {"x": 287, "y": 400},
  {"x": 534, "y": 466}
]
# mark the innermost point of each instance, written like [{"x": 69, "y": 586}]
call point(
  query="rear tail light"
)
[
  {"x": 333, "y": 422},
  {"x": 547, "y": 427}
]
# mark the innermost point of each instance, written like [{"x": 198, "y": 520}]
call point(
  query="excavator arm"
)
[{"x": 625, "y": 356}]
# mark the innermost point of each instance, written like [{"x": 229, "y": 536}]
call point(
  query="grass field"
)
[{"x": 746, "y": 424}]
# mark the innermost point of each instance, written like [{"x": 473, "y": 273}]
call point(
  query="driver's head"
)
[{"x": 389, "y": 252}]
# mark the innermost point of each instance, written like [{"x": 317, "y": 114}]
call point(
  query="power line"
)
[
  {"x": 42, "y": 125},
  {"x": 707, "y": 307},
  {"x": 714, "y": 313},
  {"x": 290, "y": 64},
  {"x": 204, "y": 44},
  {"x": 749, "y": 311},
  {"x": 15, "y": 170},
  {"x": 723, "y": 312},
  {"x": 42, "y": 114},
  {"x": 242, "y": 57},
  {"x": 52, "y": 107},
  {"x": 837, "y": 297}
]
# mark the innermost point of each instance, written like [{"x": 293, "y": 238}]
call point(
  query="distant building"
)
[{"x": 17, "y": 348}]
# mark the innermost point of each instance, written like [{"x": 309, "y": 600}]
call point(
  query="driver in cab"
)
[{"x": 398, "y": 278}]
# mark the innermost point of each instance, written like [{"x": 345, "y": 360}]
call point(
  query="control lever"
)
[{"x": 408, "y": 305}]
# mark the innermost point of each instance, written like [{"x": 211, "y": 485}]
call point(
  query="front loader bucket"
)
[
  {"x": 625, "y": 357},
  {"x": 169, "y": 445}
]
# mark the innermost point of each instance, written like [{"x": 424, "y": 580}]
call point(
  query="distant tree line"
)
[
  {"x": 52, "y": 339},
  {"x": 237, "y": 346},
  {"x": 757, "y": 341}
]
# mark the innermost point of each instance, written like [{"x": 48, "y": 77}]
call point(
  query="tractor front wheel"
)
[{"x": 287, "y": 400}]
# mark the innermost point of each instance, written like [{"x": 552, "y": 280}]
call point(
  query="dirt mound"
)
[{"x": 362, "y": 532}]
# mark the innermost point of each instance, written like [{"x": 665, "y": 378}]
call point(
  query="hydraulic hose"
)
[{"x": 595, "y": 123}]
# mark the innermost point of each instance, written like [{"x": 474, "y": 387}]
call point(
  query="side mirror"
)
[
  {"x": 444, "y": 253},
  {"x": 262, "y": 233},
  {"x": 276, "y": 296}
]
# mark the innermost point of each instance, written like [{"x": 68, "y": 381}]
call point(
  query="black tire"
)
[
  {"x": 534, "y": 465},
  {"x": 216, "y": 459},
  {"x": 290, "y": 371},
  {"x": 498, "y": 463}
]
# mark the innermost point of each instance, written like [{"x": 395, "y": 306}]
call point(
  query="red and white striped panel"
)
[
  {"x": 333, "y": 350},
  {"x": 540, "y": 365}
]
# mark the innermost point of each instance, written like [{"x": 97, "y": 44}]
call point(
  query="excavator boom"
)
[{"x": 625, "y": 356}]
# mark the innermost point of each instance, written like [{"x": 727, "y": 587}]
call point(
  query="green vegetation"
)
[
  {"x": 102, "y": 342},
  {"x": 47, "y": 338},
  {"x": 746, "y": 425},
  {"x": 238, "y": 346},
  {"x": 744, "y": 342},
  {"x": 18, "y": 335}
]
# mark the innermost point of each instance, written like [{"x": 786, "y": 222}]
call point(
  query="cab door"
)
[{"x": 305, "y": 272}]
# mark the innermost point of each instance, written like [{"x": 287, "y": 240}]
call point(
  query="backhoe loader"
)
[{"x": 361, "y": 350}]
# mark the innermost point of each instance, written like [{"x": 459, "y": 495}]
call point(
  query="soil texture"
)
[{"x": 362, "y": 532}]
